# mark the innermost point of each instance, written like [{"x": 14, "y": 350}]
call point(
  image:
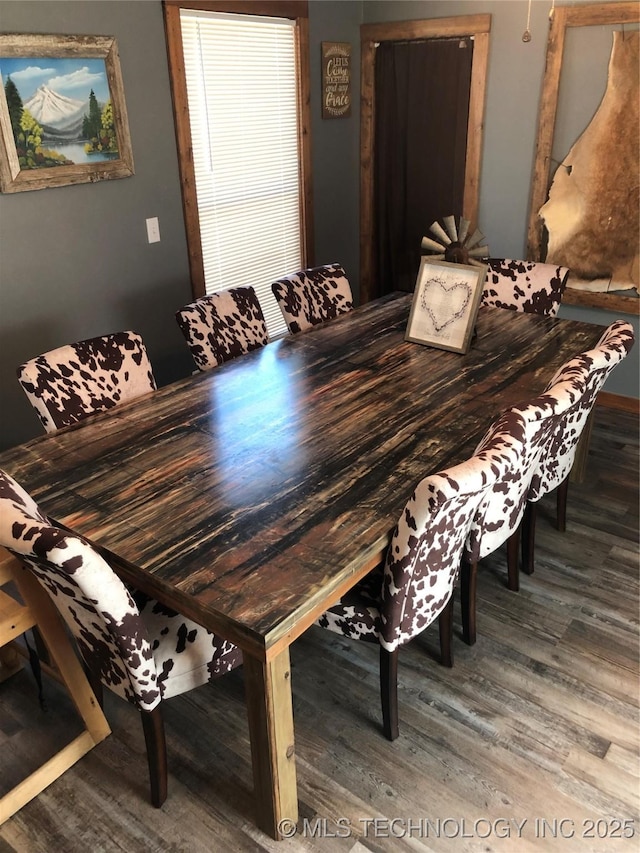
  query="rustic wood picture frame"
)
[
  {"x": 111, "y": 162},
  {"x": 445, "y": 305}
]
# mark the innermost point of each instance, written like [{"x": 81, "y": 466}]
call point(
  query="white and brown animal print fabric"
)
[
  {"x": 223, "y": 326},
  {"x": 397, "y": 602},
  {"x": 142, "y": 651},
  {"x": 589, "y": 370},
  {"x": 72, "y": 382},
  {"x": 525, "y": 286},
  {"x": 503, "y": 506},
  {"x": 312, "y": 296}
]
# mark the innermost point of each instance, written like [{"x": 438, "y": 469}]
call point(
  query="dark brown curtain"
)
[{"x": 421, "y": 113}]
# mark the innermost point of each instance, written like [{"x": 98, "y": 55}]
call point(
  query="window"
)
[{"x": 238, "y": 90}]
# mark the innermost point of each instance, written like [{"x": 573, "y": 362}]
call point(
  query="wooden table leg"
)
[{"x": 270, "y": 713}]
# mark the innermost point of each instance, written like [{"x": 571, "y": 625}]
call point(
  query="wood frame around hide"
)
[{"x": 596, "y": 14}]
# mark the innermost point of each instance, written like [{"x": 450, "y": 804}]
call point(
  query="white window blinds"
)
[{"x": 242, "y": 92}]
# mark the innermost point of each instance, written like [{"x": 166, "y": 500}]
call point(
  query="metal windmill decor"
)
[{"x": 454, "y": 243}]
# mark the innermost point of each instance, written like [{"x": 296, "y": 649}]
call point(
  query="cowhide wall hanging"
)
[
  {"x": 592, "y": 214},
  {"x": 586, "y": 214}
]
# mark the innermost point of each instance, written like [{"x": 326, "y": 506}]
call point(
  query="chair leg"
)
[
  {"x": 561, "y": 499},
  {"x": 389, "y": 692},
  {"x": 513, "y": 569},
  {"x": 36, "y": 669},
  {"x": 468, "y": 583},
  {"x": 154, "y": 737},
  {"x": 445, "y": 628},
  {"x": 529, "y": 537}
]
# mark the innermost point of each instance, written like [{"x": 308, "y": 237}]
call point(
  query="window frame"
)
[{"x": 296, "y": 10}]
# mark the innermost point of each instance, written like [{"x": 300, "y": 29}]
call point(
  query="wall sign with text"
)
[{"x": 336, "y": 79}]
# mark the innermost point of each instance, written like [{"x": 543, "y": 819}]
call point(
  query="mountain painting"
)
[{"x": 60, "y": 110}]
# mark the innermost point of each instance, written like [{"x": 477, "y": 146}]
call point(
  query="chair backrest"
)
[
  {"x": 590, "y": 369},
  {"x": 525, "y": 286},
  {"x": 68, "y": 384},
  {"x": 423, "y": 559},
  {"x": 223, "y": 325},
  {"x": 93, "y": 601},
  {"x": 500, "y": 513},
  {"x": 311, "y": 296}
]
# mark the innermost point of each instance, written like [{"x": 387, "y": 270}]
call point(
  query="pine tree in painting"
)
[
  {"x": 92, "y": 123},
  {"x": 14, "y": 105}
]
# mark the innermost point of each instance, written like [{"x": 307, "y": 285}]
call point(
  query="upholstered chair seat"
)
[
  {"x": 357, "y": 614},
  {"x": 526, "y": 286},
  {"x": 223, "y": 325},
  {"x": 590, "y": 371},
  {"x": 313, "y": 296},
  {"x": 414, "y": 587},
  {"x": 500, "y": 514},
  {"x": 130, "y": 643},
  {"x": 68, "y": 384}
]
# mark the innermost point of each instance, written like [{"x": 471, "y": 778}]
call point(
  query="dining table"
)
[{"x": 252, "y": 496}]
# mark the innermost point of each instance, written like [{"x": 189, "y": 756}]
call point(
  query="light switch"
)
[{"x": 153, "y": 230}]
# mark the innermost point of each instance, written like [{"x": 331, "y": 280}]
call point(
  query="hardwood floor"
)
[{"x": 529, "y": 743}]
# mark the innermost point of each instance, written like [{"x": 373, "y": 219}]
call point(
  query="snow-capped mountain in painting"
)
[{"x": 60, "y": 117}]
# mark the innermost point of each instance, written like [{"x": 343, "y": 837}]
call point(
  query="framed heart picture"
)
[{"x": 445, "y": 304}]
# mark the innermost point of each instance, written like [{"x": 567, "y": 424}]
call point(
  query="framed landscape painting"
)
[
  {"x": 63, "y": 118},
  {"x": 445, "y": 304}
]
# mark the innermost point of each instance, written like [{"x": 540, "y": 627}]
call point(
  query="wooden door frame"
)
[
  {"x": 295, "y": 9},
  {"x": 475, "y": 26}
]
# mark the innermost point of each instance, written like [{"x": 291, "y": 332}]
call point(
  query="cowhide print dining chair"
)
[
  {"x": 525, "y": 286},
  {"x": 399, "y": 599},
  {"x": 500, "y": 514},
  {"x": 223, "y": 325},
  {"x": 312, "y": 296},
  {"x": 552, "y": 471},
  {"x": 130, "y": 643},
  {"x": 68, "y": 384}
]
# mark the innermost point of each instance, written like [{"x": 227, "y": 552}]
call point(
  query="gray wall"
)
[
  {"x": 336, "y": 143},
  {"x": 75, "y": 262},
  {"x": 515, "y": 74},
  {"x": 511, "y": 109}
]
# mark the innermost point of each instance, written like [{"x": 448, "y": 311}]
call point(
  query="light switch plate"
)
[{"x": 153, "y": 230}]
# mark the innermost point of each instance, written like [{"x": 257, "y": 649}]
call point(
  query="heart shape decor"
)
[{"x": 445, "y": 303}]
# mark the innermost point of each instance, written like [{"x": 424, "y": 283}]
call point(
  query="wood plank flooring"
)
[{"x": 530, "y": 742}]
